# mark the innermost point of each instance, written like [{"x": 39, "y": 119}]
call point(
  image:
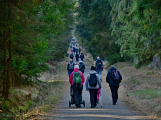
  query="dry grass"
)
[{"x": 141, "y": 88}]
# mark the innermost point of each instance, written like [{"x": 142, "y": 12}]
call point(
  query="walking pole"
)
[{"x": 100, "y": 98}]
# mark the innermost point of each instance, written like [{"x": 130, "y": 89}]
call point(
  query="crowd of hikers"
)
[{"x": 93, "y": 80}]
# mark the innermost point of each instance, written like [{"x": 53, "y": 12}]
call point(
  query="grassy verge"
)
[
  {"x": 33, "y": 101},
  {"x": 141, "y": 88}
]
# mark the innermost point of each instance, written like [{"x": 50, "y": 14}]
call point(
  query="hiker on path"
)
[
  {"x": 99, "y": 67},
  {"x": 71, "y": 50},
  {"x": 74, "y": 50},
  {"x": 70, "y": 67},
  {"x": 76, "y": 80},
  {"x": 77, "y": 57},
  {"x": 81, "y": 66},
  {"x": 92, "y": 84},
  {"x": 114, "y": 79},
  {"x": 79, "y": 50},
  {"x": 82, "y": 56},
  {"x": 71, "y": 56}
]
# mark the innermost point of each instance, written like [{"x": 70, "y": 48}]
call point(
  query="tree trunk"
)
[
  {"x": 5, "y": 49},
  {"x": 9, "y": 61}
]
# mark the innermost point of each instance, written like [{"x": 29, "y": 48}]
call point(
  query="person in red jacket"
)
[{"x": 76, "y": 80}]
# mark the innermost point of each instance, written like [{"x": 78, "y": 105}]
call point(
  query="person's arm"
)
[
  {"x": 102, "y": 64},
  {"x": 71, "y": 78},
  {"x": 82, "y": 76},
  {"x": 120, "y": 76},
  {"x": 95, "y": 64},
  {"x": 108, "y": 77},
  {"x": 68, "y": 66}
]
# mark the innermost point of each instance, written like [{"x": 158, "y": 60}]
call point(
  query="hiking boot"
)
[
  {"x": 77, "y": 106},
  {"x": 92, "y": 106},
  {"x": 114, "y": 103}
]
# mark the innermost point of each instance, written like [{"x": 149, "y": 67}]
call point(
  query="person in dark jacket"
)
[
  {"x": 82, "y": 56},
  {"x": 79, "y": 50},
  {"x": 71, "y": 56},
  {"x": 70, "y": 67},
  {"x": 81, "y": 66},
  {"x": 113, "y": 84},
  {"x": 77, "y": 57},
  {"x": 93, "y": 89},
  {"x": 74, "y": 50},
  {"x": 99, "y": 67}
]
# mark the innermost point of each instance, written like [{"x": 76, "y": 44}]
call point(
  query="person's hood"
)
[
  {"x": 92, "y": 72},
  {"x": 76, "y": 69},
  {"x": 112, "y": 67},
  {"x": 80, "y": 61}
]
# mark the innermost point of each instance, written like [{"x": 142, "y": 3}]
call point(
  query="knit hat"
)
[
  {"x": 76, "y": 66},
  {"x": 92, "y": 68}
]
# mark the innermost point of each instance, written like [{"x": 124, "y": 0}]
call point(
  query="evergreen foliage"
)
[
  {"x": 129, "y": 27},
  {"x": 33, "y": 32}
]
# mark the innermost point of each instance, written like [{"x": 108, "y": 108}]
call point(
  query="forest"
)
[
  {"x": 33, "y": 32},
  {"x": 120, "y": 30},
  {"x": 36, "y": 32}
]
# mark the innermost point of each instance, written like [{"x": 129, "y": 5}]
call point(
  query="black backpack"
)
[
  {"x": 99, "y": 64},
  {"x": 81, "y": 66},
  {"x": 93, "y": 80},
  {"x": 115, "y": 75}
]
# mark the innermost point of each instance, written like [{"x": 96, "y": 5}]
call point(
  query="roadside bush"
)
[{"x": 115, "y": 58}]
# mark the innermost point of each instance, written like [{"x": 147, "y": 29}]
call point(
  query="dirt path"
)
[{"x": 62, "y": 111}]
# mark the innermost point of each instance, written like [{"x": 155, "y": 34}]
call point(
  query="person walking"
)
[
  {"x": 76, "y": 80},
  {"x": 70, "y": 67},
  {"x": 74, "y": 50},
  {"x": 71, "y": 56},
  {"x": 77, "y": 57},
  {"x": 99, "y": 67},
  {"x": 79, "y": 50},
  {"x": 114, "y": 78},
  {"x": 92, "y": 84},
  {"x": 82, "y": 56},
  {"x": 81, "y": 66}
]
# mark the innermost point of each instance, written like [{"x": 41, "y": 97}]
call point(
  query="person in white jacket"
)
[{"x": 92, "y": 84}]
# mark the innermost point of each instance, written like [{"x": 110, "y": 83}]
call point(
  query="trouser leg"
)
[
  {"x": 95, "y": 96},
  {"x": 69, "y": 72},
  {"x": 75, "y": 90},
  {"x": 113, "y": 91},
  {"x": 91, "y": 91},
  {"x": 116, "y": 92},
  {"x": 80, "y": 87},
  {"x": 100, "y": 72}
]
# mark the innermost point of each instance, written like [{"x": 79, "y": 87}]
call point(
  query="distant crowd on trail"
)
[{"x": 93, "y": 80}]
